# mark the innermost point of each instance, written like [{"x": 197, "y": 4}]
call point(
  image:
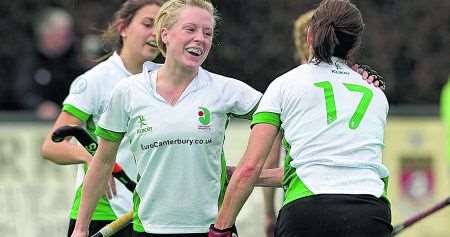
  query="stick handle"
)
[
  {"x": 119, "y": 174},
  {"x": 115, "y": 226},
  {"x": 400, "y": 227},
  {"x": 91, "y": 145}
]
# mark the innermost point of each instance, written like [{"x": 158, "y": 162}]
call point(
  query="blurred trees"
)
[
  {"x": 409, "y": 43},
  {"x": 406, "y": 41}
]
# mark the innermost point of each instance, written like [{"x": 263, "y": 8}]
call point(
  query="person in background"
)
[
  {"x": 132, "y": 38},
  {"x": 334, "y": 180},
  {"x": 299, "y": 33},
  {"x": 44, "y": 79}
]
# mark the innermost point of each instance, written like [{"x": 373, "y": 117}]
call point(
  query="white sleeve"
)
[
  {"x": 116, "y": 115},
  {"x": 84, "y": 95},
  {"x": 272, "y": 98},
  {"x": 243, "y": 97}
]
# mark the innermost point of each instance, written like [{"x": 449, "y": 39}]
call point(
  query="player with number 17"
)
[{"x": 334, "y": 180}]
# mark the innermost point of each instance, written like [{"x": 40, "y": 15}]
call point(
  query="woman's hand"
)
[
  {"x": 80, "y": 233},
  {"x": 370, "y": 75}
]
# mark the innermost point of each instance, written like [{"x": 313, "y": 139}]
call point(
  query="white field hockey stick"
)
[
  {"x": 400, "y": 227},
  {"x": 115, "y": 226}
]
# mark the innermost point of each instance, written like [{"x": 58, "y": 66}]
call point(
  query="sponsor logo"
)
[
  {"x": 204, "y": 117},
  {"x": 339, "y": 69},
  {"x": 178, "y": 141},
  {"x": 143, "y": 128}
]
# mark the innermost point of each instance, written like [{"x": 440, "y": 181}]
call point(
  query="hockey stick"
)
[
  {"x": 91, "y": 146},
  {"x": 400, "y": 227},
  {"x": 115, "y": 226}
]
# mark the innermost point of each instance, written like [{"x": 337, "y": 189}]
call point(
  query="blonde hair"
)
[
  {"x": 300, "y": 33},
  {"x": 168, "y": 16}
]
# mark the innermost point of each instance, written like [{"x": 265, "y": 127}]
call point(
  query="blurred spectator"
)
[
  {"x": 92, "y": 49},
  {"x": 43, "y": 79}
]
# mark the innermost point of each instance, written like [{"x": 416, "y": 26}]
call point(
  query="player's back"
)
[{"x": 334, "y": 122}]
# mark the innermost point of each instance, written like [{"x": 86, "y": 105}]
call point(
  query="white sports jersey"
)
[
  {"x": 89, "y": 95},
  {"x": 178, "y": 148},
  {"x": 334, "y": 124}
]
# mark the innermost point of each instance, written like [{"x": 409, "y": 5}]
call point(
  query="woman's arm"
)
[
  {"x": 94, "y": 184},
  {"x": 65, "y": 152},
  {"x": 241, "y": 185},
  {"x": 269, "y": 190},
  {"x": 270, "y": 178}
]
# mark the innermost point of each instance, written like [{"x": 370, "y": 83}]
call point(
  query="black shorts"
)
[
  {"x": 140, "y": 234},
  {"x": 336, "y": 215},
  {"x": 95, "y": 226}
]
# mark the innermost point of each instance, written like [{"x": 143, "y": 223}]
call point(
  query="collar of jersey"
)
[
  {"x": 118, "y": 61},
  {"x": 201, "y": 80},
  {"x": 333, "y": 60},
  {"x": 339, "y": 60},
  {"x": 150, "y": 66}
]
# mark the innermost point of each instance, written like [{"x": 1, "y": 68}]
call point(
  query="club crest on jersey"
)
[
  {"x": 78, "y": 86},
  {"x": 204, "y": 117},
  {"x": 143, "y": 127}
]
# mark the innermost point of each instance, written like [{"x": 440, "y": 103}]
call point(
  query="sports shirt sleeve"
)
[
  {"x": 245, "y": 99},
  {"x": 445, "y": 113},
  {"x": 113, "y": 122},
  {"x": 269, "y": 108},
  {"x": 82, "y": 100}
]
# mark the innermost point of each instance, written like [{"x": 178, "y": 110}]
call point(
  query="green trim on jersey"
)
[
  {"x": 83, "y": 116},
  {"x": 267, "y": 117},
  {"x": 223, "y": 178},
  {"x": 385, "y": 196},
  {"x": 102, "y": 212},
  {"x": 223, "y": 174},
  {"x": 137, "y": 224},
  {"x": 248, "y": 115},
  {"x": 109, "y": 135},
  {"x": 293, "y": 186},
  {"x": 90, "y": 126}
]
